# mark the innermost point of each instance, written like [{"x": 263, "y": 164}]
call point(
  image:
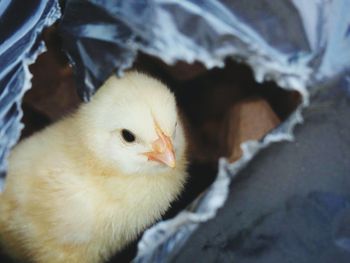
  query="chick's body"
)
[{"x": 79, "y": 191}]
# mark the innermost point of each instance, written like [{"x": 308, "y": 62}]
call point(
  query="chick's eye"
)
[{"x": 128, "y": 136}]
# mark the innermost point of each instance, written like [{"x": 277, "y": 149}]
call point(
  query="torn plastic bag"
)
[
  {"x": 301, "y": 45},
  {"x": 291, "y": 202},
  {"x": 21, "y": 23}
]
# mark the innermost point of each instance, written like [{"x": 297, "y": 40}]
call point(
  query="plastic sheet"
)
[
  {"x": 21, "y": 24},
  {"x": 304, "y": 45},
  {"x": 301, "y": 45},
  {"x": 291, "y": 202}
]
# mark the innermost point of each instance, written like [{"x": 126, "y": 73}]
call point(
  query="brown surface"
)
[
  {"x": 249, "y": 119},
  {"x": 182, "y": 71},
  {"x": 53, "y": 92}
]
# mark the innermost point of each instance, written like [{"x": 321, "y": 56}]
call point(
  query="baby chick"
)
[{"x": 81, "y": 189}]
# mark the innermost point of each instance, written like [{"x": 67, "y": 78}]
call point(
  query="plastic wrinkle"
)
[{"x": 15, "y": 85}]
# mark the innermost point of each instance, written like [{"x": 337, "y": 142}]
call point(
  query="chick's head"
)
[{"x": 132, "y": 125}]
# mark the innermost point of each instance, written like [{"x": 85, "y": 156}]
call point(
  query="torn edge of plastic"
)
[
  {"x": 266, "y": 62},
  {"x": 28, "y": 59},
  {"x": 161, "y": 242}
]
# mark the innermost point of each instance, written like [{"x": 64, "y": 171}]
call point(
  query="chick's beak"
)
[{"x": 163, "y": 150}]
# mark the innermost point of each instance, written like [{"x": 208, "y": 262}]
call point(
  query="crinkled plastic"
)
[
  {"x": 293, "y": 42},
  {"x": 21, "y": 23},
  {"x": 301, "y": 45}
]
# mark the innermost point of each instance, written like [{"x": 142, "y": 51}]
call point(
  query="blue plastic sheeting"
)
[
  {"x": 304, "y": 229},
  {"x": 301, "y": 45},
  {"x": 294, "y": 42},
  {"x": 20, "y": 24}
]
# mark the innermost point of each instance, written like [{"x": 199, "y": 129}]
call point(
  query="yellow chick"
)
[{"x": 81, "y": 189}]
